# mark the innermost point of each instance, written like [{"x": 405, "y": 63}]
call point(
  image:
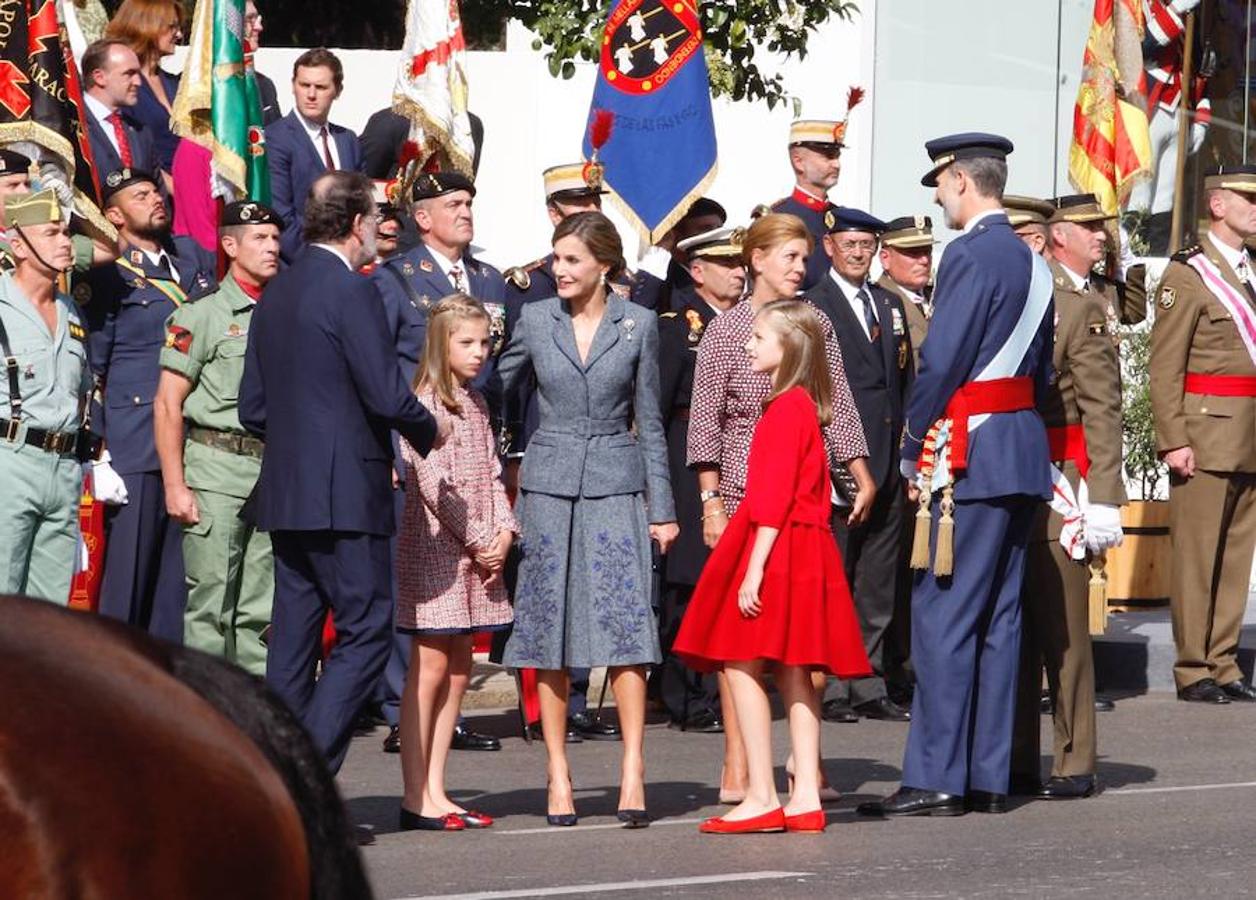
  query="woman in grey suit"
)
[{"x": 594, "y": 491}]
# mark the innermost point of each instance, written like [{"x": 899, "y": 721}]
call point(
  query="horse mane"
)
[{"x": 336, "y": 870}]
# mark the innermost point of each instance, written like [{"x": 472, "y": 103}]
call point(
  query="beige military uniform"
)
[
  {"x": 1086, "y": 392},
  {"x": 917, "y": 320},
  {"x": 1194, "y": 333}
]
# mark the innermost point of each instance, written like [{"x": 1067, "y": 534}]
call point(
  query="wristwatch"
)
[{"x": 704, "y": 496}]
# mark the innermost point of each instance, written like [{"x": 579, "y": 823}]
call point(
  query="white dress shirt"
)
[
  {"x": 1081, "y": 283},
  {"x": 99, "y": 112},
  {"x": 850, "y": 291},
  {"x": 156, "y": 258},
  {"x": 447, "y": 266},
  {"x": 1238, "y": 260},
  {"x": 315, "y": 134}
]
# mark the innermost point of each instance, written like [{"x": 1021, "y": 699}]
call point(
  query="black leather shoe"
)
[
  {"x": 1104, "y": 704},
  {"x": 392, "y": 743},
  {"x": 1203, "y": 691},
  {"x": 1067, "y": 787},
  {"x": 573, "y": 736},
  {"x": 838, "y": 711},
  {"x": 986, "y": 802},
  {"x": 914, "y": 802},
  {"x": 705, "y": 722},
  {"x": 883, "y": 708},
  {"x": 1024, "y": 785},
  {"x": 363, "y": 836},
  {"x": 592, "y": 729},
  {"x": 633, "y": 818},
  {"x": 465, "y": 739},
  {"x": 1239, "y": 690}
]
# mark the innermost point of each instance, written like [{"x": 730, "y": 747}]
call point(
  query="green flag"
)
[{"x": 218, "y": 105}]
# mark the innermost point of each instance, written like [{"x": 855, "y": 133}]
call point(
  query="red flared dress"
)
[{"x": 807, "y": 617}]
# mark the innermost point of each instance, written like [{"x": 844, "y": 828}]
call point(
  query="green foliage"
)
[
  {"x": 735, "y": 30},
  {"x": 1142, "y": 464}
]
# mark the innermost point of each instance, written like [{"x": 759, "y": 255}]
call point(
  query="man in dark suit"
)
[
  {"x": 411, "y": 283},
  {"x": 322, "y": 387},
  {"x": 386, "y": 131},
  {"x": 987, "y": 356},
  {"x": 304, "y": 144},
  {"x": 111, "y": 86},
  {"x": 871, "y": 328}
]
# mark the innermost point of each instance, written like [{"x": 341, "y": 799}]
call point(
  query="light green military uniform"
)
[
  {"x": 40, "y": 488},
  {"x": 230, "y": 572}
]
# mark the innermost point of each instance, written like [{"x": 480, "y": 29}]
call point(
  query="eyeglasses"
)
[{"x": 852, "y": 246}]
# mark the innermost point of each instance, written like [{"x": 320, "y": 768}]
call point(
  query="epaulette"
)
[
  {"x": 1186, "y": 253},
  {"x": 520, "y": 276}
]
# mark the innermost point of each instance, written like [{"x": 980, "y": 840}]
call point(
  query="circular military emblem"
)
[
  {"x": 1168, "y": 296},
  {"x": 82, "y": 292},
  {"x": 247, "y": 211},
  {"x": 113, "y": 179},
  {"x": 647, "y": 41}
]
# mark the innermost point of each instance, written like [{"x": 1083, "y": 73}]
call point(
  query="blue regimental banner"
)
[{"x": 661, "y": 155}]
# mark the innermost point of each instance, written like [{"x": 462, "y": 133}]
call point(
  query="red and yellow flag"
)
[{"x": 1111, "y": 147}]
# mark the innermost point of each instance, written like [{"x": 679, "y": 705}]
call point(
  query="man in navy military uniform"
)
[
  {"x": 871, "y": 328},
  {"x": 988, "y": 354},
  {"x": 411, "y": 283},
  {"x": 322, "y": 387},
  {"x": 717, "y": 278},
  {"x": 815, "y": 155},
  {"x": 127, "y": 305}
]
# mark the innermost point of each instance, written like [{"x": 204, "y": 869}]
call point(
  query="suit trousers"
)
[
  {"x": 1056, "y": 632},
  {"x": 143, "y": 581},
  {"x": 1212, "y": 524},
  {"x": 684, "y": 693},
  {"x": 871, "y": 555},
  {"x": 349, "y": 573},
  {"x": 966, "y": 647}
]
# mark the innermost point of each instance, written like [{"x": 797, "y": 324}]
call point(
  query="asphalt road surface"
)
[{"x": 1176, "y": 819}]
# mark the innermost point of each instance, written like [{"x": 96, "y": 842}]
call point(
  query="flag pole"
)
[{"x": 1183, "y": 135}]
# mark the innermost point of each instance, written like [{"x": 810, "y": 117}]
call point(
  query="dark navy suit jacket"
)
[
  {"x": 294, "y": 166},
  {"x": 322, "y": 386},
  {"x": 126, "y": 317},
  {"x": 143, "y": 154},
  {"x": 982, "y": 286},
  {"x": 878, "y": 382}
]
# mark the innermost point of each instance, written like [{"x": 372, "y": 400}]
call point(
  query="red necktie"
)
[
  {"x": 327, "y": 160},
  {"x": 119, "y": 132}
]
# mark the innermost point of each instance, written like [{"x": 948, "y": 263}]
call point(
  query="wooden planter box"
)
[{"x": 1139, "y": 570}]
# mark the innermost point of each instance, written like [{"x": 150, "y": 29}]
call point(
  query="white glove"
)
[
  {"x": 107, "y": 485},
  {"x": 1103, "y": 527},
  {"x": 82, "y": 557},
  {"x": 907, "y": 468},
  {"x": 1182, "y": 7},
  {"x": 655, "y": 260}
]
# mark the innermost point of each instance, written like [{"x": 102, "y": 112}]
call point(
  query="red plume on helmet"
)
[
  {"x": 853, "y": 98},
  {"x": 600, "y": 128}
]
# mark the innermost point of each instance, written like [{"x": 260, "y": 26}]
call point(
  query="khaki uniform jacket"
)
[
  {"x": 917, "y": 321},
  {"x": 1193, "y": 332},
  {"x": 1086, "y": 389}
]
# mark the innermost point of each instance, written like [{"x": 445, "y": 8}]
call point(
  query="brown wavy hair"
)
[
  {"x": 803, "y": 360},
  {"x": 597, "y": 233},
  {"x": 433, "y": 373},
  {"x": 770, "y": 231},
  {"x": 139, "y": 23}
]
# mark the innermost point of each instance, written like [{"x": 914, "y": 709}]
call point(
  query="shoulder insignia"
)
[
  {"x": 829, "y": 219},
  {"x": 1098, "y": 328},
  {"x": 407, "y": 268},
  {"x": 1187, "y": 252},
  {"x": 179, "y": 339},
  {"x": 78, "y": 332},
  {"x": 695, "y": 323},
  {"x": 425, "y": 265},
  {"x": 137, "y": 258},
  {"x": 519, "y": 277},
  {"x": 1168, "y": 296},
  {"x": 667, "y": 315},
  {"x": 82, "y": 292},
  {"x": 1059, "y": 281}
]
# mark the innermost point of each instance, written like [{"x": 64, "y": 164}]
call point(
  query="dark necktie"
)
[
  {"x": 327, "y": 158},
  {"x": 163, "y": 268},
  {"x": 870, "y": 317},
  {"x": 119, "y": 132}
]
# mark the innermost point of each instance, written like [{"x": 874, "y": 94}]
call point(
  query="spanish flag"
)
[{"x": 1111, "y": 147}]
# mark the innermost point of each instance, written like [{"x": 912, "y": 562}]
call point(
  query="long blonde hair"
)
[
  {"x": 433, "y": 372},
  {"x": 803, "y": 360}
]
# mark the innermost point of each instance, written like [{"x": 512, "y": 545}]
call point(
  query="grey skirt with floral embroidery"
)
[{"x": 582, "y": 598}]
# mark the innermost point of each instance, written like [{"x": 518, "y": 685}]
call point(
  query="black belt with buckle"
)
[
  {"x": 81, "y": 444},
  {"x": 227, "y": 441}
]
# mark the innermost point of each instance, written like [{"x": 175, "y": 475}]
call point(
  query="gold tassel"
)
[
  {"x": 920, "y": 540},
  {"x": 1097, "y": 596},
  {"x": 944, "y": 556}
]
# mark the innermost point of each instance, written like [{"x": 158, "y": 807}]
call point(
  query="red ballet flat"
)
[
  {"x": 768, "y": 822},
  {"x": 475, "y": 819},
  {"x": 807, "y": 823}
]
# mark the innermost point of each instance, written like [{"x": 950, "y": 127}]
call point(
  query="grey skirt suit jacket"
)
[{"x": 593, "y": 478}]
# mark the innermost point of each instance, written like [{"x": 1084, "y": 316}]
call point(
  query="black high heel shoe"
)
[
  {"x": 563, "y": 820},
  {"x": 633, "y": 818}
]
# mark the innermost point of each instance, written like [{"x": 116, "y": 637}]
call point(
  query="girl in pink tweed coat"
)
[{"x": 455, "y": 533}]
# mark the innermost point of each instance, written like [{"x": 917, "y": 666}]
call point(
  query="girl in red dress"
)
[{"x": 774, "y": 592}]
